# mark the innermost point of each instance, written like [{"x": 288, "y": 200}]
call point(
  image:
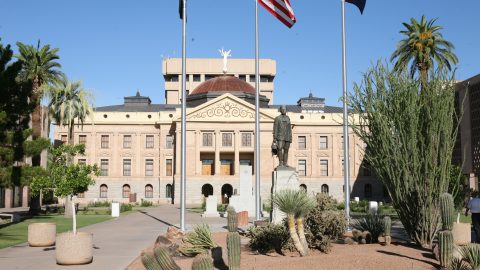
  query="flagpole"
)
[
  {"x": 257, "y": 121},
  {"x": 346, "y": 161},
  {"x": 184, "y": 109}
]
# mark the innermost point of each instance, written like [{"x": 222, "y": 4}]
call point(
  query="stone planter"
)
[
  {"x": 462, "y": 233},
  {"x": 42, "y": 234},
  {"x": 74, "y": 249}
]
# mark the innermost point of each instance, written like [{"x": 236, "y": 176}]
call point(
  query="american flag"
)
[{"x": 280, "y": 9}]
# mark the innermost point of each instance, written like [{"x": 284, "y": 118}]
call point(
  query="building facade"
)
[{"x": 137, "y": 144}]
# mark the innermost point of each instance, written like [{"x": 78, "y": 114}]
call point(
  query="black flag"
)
[
  {"x": 359, "y": 3},
  {"x": 180, "y": 8}
]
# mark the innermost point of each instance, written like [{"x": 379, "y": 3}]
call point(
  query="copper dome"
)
[{"x": 223, "y": 84}]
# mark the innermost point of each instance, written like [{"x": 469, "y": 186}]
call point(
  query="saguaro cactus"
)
[
  {"x": 232, "y": 219},
  {"x": 447, "y": 211},
  {"x": 149, "y": 262},
  {"x": 202, "y": 262},
  {"x": 445, "y": 248},
  {"x": 164, "y": 260},
  {"x": 387, "y": 227},
  {"x": 233, "y": 246}
]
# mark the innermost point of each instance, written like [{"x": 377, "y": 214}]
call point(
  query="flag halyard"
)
[{"x": 281, "y": 9}]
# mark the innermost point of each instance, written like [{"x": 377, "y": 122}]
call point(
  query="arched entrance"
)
[
  {"x": 303, "y": 187},
  {"x": 227, "y": 191},
  {"x": 207, "y": 190}
]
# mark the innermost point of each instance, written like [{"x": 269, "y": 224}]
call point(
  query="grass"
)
[
  {"x": 14, "y": 234},
  {"x": 464, "y": 219}
]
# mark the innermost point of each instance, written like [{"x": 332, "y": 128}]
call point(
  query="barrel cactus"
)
[
  {"x": 447, "y": 211},
  {"x": 387, "y": 228},
  {"x": 163, "y": 258},
  {"x": 149, "y": 262},
  {"x": 445, "y": 248},
  {"x": 232, "y": 219},
  {"x": 233, "y": 247},
  {"x": 202, "y": 262}
]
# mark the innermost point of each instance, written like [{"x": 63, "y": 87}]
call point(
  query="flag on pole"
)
[
  {"x": 281, "y": 9},
  {"x": 180, "y": 8},
  {"x": 359, "y": 3}
]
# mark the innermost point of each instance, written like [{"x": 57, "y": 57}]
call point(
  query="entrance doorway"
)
[
  {"x": 207, "y": 190},
  {"x": 227, "y": 191}
]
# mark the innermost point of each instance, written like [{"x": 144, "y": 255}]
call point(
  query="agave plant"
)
[
  {"x": 199, "y": 241},
  {"x": 471, "y": 254},
  {"x": 372, "y": 223}
]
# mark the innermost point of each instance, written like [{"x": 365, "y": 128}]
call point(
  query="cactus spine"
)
[
  {"x": 164, "y": 260},
  {"x": 232, "y": 219},
  {"x": 233, "y": 246},
  {"x": 149, "y": 262},
  {"x": 445, "y": 248},
  {"x": 387, "y": 228},
  {"x": 202, "y": 262},
  {"x": 447, "y": 211}
]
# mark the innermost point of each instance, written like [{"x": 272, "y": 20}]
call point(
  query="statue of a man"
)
[{"x": 282, "y": 136}]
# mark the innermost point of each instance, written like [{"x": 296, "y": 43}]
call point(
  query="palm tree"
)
[
  {"x": 69, "y": 102},
  {"x": 40, "y": 67},
  {"x": 290, "y": 202},
  {"x": 423, "y": 46}
]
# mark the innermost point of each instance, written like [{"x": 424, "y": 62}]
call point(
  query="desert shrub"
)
[
  {"x": 222, "y": 207},
  {"x": 386, "y": 209},
  {"x": 372, "y": 223},
  {"x": 145, "y": 203},
  {"x": 272, "y": 237},
  {"x": 324, "y": 223},
  {"x": 198, "y": 241},
  {"x": 359, "y": 207},
  {"x": 124, "y": 207},
  {"x": 99, "y": 204}
]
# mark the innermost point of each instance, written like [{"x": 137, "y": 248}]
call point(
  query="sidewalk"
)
[{"x": 116, "y": 242}]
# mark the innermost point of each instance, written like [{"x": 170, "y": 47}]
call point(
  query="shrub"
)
[
  {"x": 198, "y": 241},
  {"x": 324, "y": 223},
  {"x": 372, "y": 223},
  {"x": 124, "y": 207},
  {"x": 360, "y": 207},
  {"x": 272, "y": 237},
  {"x": 99, "y": 204},
  {"x": 222, "y": 207},
  {"x": 145, "y": 203}
]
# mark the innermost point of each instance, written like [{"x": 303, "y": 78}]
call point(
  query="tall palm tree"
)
[
  {"x": 423, "y": 47},
  {"x": 39, "y": 66},
  {"x": 69, "y": 102}
]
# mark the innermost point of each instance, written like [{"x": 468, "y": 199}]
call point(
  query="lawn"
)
[{"x": 17, "y": 233}]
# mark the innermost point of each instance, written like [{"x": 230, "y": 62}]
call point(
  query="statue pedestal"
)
[{"x": 283, "y": 178}]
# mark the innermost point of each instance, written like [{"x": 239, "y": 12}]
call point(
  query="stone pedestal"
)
[
  {"x": 245, "y": 201},
  {"x": 373, "y": 207},
  {"x": 286, "y": 178},
  {"x": 211, "y": 207}
]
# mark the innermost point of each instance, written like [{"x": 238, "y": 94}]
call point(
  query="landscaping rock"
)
[
  {"x": 348, "y": 241},
  {"x": 174, "y": 233}
]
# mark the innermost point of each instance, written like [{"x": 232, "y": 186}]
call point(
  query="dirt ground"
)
[{"x": 397, "y": 256}]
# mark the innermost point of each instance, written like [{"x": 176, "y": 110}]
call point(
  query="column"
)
[
  {"x": 218, "y": 139},
  {"x": 236, "y": 161},
  {"x": 198, "y": 163},
  {"x": 8, "y": 197},
  {"x": 25, "y": 196}
]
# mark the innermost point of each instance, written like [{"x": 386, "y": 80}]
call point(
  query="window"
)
[
  {"x": 209, "y": 77},
  {"x": 302, "y": 167},
  {"x": 169, "y": 167},
  {"x": 368, "y": 190},
  {"x": 243, "y": 77},
  {"x": 323, "y": 142},
  {"x": 168, "y": 191},
  {"x": 82, "y": 161},
  {"x": 324, "y": 188},
  {"x": 171, "y": 78},
  {"x": 104, "y": 167},
  {"x": 103, "y": 191},
  {"x": 126, "y": 191},
  {"x": 226, "y": 167},
  {"x": 82, "y": 139},
  {"x": 149, "y": 167},
  {"x": 127, "y": 167},
  {"x": 127, "y": 141},
  {"x": 104, "y": 141},
  {"x": 343, "y": 166},
  {"x": 324, "y": 167},
  {"x": 246, "y": 139},
  {"x": 64, "y": 138},
  {"x": 227, "y": 139},
  {"x": 341, "y": 142},
  {"x": 149, "y": 141},
  {"x": 81, "y": 195},
  {"x": 196, "y": 78},
  {"x": 264, "y": 79},
  {"x": 302, "y": 142},
  {"x": 207, "y": 139},
  {"x": 148, "y": 191},
  {"x": 252, "y": 78},
  {"x": 169, "y": 142}
]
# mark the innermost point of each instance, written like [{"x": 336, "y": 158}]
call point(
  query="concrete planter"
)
[
  {"x": 42, "y": 234},
  {"x": 74, "y": 249},
  {"x": 462, "y": 233}
]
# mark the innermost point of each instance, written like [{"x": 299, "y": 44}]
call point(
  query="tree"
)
[
  {"x": 40, "y": 67},
  {"x": 15, "y": 111},
  {"x": 422, "y": 48},
  {"x": 409, "y": 141},
  {"x": 69, "y": 101},
  {"x": 65, "y": 178}
]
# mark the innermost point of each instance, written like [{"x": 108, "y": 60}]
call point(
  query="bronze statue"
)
[{"x": 282, "y": 136}]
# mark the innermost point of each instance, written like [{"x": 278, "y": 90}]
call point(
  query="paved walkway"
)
[{"x": 117, "y": 242}]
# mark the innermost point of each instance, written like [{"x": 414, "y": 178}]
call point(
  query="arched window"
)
[
  {"x": 126, "y": 191},
  {"x": 368, "y": 190},
  {"x": 103, "y": 191},
  {"x": 227, "y": 191},
  {"x": 325, "y": 188},
  {"x": 303, "y": 187},
  {"x": 148, "y": 191},
  {"x": 168, "y": 191},
  {"x": 207, "y": 190}
]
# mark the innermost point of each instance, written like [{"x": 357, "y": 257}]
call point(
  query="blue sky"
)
[{"x": 116, "y": 47}]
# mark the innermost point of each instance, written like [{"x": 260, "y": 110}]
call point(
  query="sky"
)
[{"x": 116, "y": 47}]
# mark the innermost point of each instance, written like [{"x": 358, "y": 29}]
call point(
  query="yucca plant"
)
[
  {"x": 471, "y": 254},
  {"x": 306, "y": 203},
  {"x": 372, "y": 223},
  {"x": 288, "y": 201},
  {"x": 459, "y": 264},
  {"x": 199, "y": 241}
]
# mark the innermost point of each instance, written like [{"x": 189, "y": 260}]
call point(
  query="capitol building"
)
[{"x": 137, "y": 144}]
